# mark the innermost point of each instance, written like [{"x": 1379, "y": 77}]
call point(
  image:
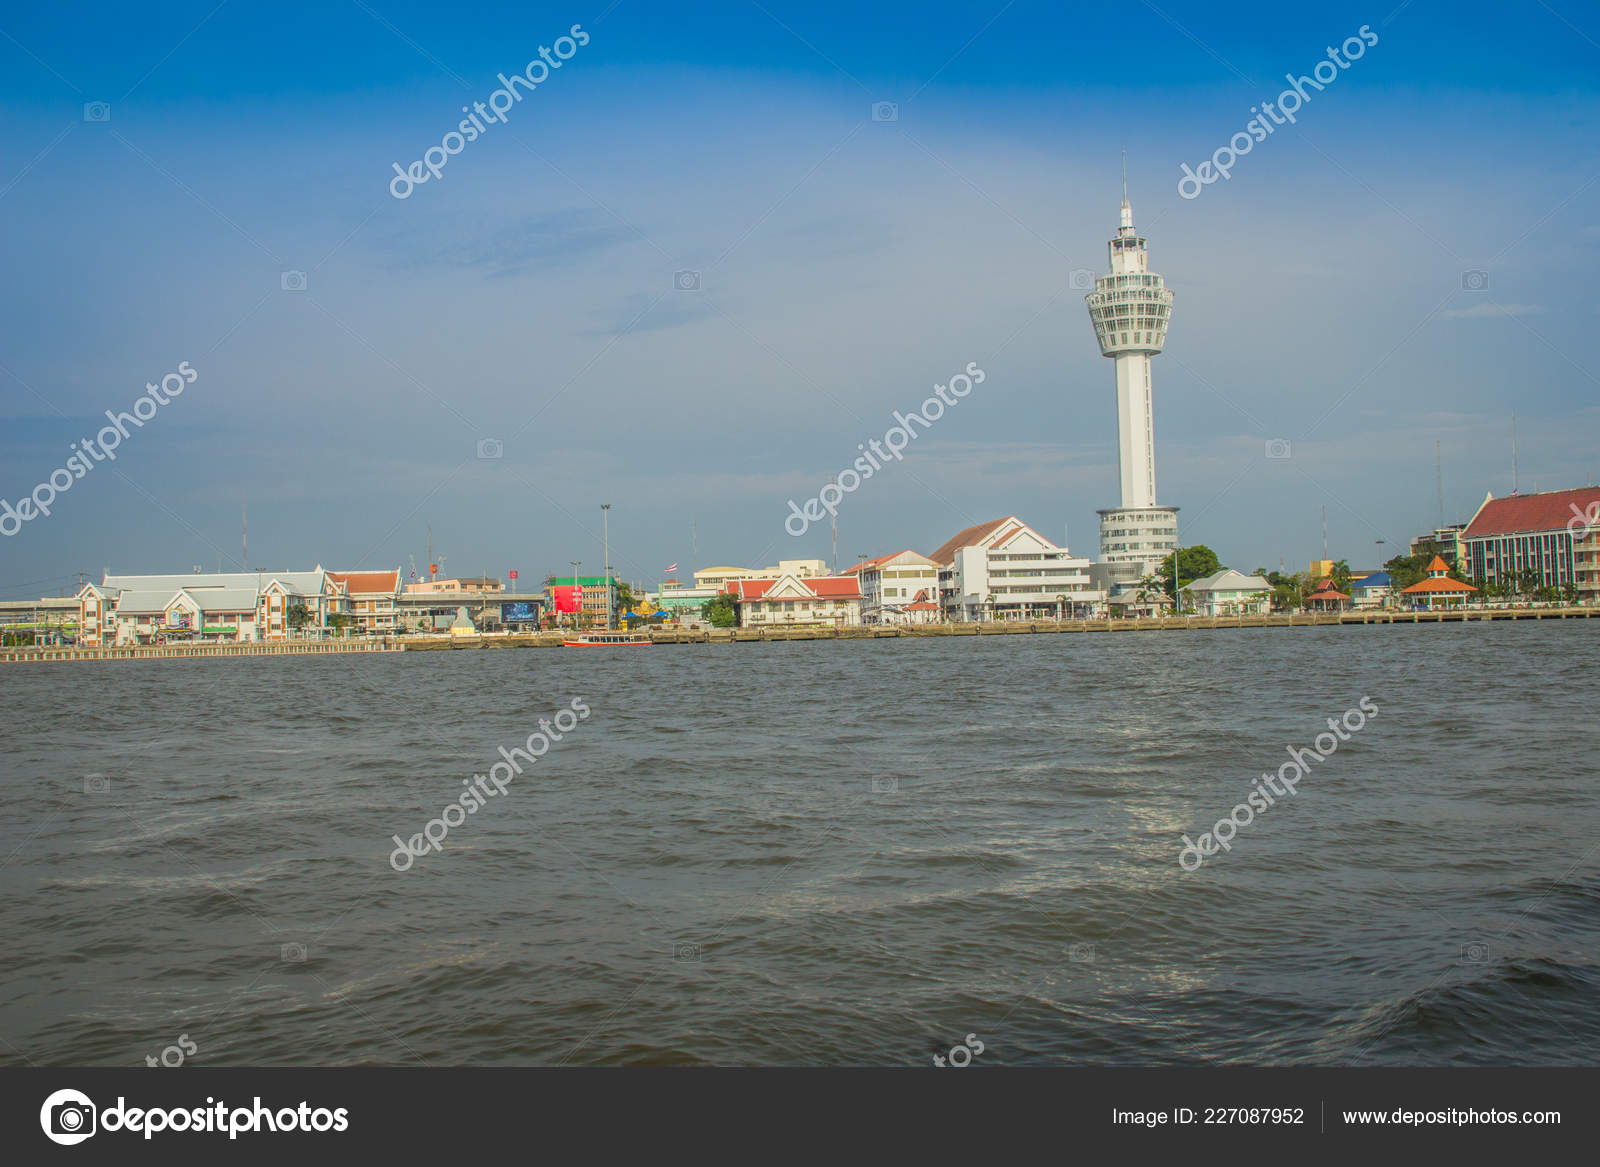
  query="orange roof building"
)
[{"x": 1438, "y": 590}]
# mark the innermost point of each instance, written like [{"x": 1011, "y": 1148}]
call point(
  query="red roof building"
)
[
  {"x": 370, "y": 599},
  {"x": 791, "y": 600},
  {"x": 1327, "y": 598},
  {"x": 1550, "y": 539}
]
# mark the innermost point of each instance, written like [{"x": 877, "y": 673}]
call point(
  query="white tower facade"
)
[{"x": 1130, "y": 308}]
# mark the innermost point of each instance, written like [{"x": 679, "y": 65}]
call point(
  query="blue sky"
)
[{"x": 845, "y": 266}]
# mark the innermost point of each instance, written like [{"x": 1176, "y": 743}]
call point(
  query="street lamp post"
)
[
  {"x": 575, "y": 593},
  {"x": 605, "y": 538}
]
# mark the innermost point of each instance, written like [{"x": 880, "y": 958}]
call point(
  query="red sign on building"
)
[{"x": 569, "y": 598}]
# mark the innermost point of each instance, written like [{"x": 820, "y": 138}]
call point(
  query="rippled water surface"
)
[{"x": 813, "y": 853}]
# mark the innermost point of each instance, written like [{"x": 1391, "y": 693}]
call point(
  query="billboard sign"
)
[
  {"x": 569, "y": 598},
  {"x": 519, "y": 613}
]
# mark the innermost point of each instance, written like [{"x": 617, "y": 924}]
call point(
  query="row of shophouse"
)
[{"x": 141, "y": 609}]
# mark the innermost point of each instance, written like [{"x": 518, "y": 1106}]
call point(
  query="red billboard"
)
[{"x": 569, "y": 598}]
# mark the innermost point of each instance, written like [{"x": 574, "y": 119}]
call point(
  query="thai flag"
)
[{"x": 671, "y": 567}]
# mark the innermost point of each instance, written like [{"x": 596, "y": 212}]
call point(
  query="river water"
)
[{"x": 813, "y": 853}]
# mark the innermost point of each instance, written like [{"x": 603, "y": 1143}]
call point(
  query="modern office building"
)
[
  {"x": 1005, "y": 570},
  {"x": 1130, "y": 308},
  {"x": 1552, "y": 538}
]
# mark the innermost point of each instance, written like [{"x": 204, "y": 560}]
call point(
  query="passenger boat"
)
[{"x": 605, "y": 640}]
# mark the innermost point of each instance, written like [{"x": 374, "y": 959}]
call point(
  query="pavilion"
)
[
  {"x": 1327, "y": 598},
  {"x": 1438, "y": 590}
]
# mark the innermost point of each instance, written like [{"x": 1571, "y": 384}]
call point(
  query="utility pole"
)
[
  {"x": 1513, "y": 451},
  {"x": 244, "y": 532},
  {"x": 834, "y": 522},
  {"x": 578, "y": 611},
  {"x": 605, "y": 542},
  {"x": 1438, "y": 475}
]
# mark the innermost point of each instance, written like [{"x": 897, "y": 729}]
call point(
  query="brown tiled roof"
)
[{"x": 972, "y": 536}]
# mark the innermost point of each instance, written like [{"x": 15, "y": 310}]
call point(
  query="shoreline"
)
[{"x": 751, "y": 635}]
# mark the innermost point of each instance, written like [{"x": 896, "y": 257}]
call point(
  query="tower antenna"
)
[
  {"x": 1124, "y": 176},
  {"x": 244, "y": 532}
]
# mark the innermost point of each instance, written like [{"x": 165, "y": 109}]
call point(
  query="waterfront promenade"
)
[{"x": 663, "y": 636}]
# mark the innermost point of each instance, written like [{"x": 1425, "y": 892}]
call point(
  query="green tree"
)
[
  {"x": 338, "y": 622},
  {"x": 625, "y": 597},
  {"x": 1193, "y": 563},
  {"x": 1341, "y": 576},
  {"x": 721, "y": 611},
  {"x": 298, "y": 615}
]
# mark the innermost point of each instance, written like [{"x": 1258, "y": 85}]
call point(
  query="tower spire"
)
[{"x": 1127, "y": 209}]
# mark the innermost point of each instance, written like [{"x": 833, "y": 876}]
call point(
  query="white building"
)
[
  {"x": 136, "y": 609},
  {"x": 1228, "y": 593},
  {"x": 1130, "y": 308},
  {"x": 902, "y": 588},
  {"x": 1005, "y": 570},
  {"x": 792, "y": 600}
]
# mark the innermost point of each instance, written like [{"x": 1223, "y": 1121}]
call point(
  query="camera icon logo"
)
[
  {"x": 686, "y": 953},
  {"x": 96, "y": 784},
  {"x": 1475, "y": 953},
  {"x": 293, "y": 952},
  {"x": 68, "y": 1117},
  {"x": 886, "y": 786},
  {"x": 293, "y": 281},
  {"x": 885, "y": 111},
  {"x": 1278, "y": 449},
  {"x": 97, "y": 111},
  {"x": 686, "y": 281},
  {"x": 1475, "y": 280},
  {"x": 1081, "y": 954},
  {"x": 961, "y": 1054},
  {"x": 1080, "y": 279},
  {"x": 490, "y": 449}
]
